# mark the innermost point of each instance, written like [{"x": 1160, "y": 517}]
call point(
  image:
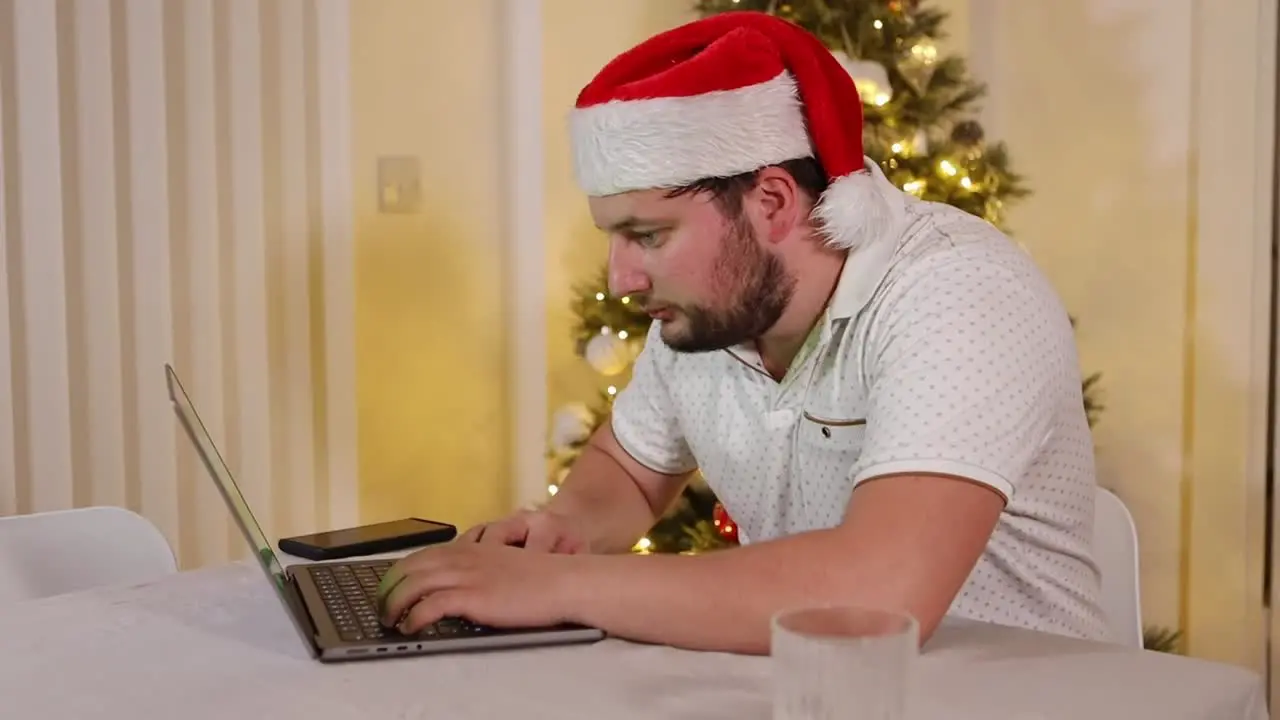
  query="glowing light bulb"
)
[
  {"x": 915, "y": 187},
  {"x": 948, "y": 168},
  {"x": 612, "y": 390},
  {"x": 623, "y": 334},
  {"x": 552, "y": 489},
  {"x": 897, "y": 147},
  {"x": 600, "y": 297},
  {"x": 926, "y": 53},
  {"x": 643, "y": 545},
  {"x": 877, "y": 24},
  {"x": 966, "y": 183},
  {"x": 626, "y": 301}
]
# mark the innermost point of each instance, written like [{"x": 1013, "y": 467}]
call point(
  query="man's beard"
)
[{"x": 760, "y": 291}]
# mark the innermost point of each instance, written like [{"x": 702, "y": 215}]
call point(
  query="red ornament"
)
[{"x": 725, "y": 525}]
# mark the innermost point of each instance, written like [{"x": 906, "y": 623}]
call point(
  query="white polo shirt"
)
[{"x": 944, "y": 350}]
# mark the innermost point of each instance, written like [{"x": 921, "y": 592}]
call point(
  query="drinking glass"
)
[{"x": 844, "y": 662}]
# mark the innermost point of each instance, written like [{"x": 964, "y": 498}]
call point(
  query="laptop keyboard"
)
[{"x": 350, "y": 595}]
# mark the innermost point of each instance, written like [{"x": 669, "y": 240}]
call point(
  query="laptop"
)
[{"x": 331, "y": 604}]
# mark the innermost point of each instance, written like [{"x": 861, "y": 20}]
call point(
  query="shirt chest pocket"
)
[{"x": 828, "y": 447}]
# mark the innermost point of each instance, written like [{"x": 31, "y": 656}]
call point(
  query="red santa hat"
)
[{"x": 728, "y": 94}]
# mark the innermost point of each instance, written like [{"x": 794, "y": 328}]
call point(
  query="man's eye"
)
[{"x": 648, "y": 239}]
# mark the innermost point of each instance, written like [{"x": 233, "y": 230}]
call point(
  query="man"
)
[{"x": 883, "y": 392}]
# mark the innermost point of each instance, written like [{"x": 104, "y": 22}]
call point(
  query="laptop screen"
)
[{"x": 235, "y": 500}]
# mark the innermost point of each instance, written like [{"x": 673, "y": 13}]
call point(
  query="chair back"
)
[
  {"x": 1115, "y": 549},
  {"x": 50, "y": 553}
]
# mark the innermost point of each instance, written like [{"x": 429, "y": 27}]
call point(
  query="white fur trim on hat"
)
[{"x": 670, "y": 142}]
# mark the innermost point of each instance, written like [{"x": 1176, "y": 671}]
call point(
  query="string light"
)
[
  {"x": 553, "y": 489},
  {"x": 946, "y": 167},
  {"x": 915, "y": 187},
  {"x": 879, "y": 25},
  {"x": 643, "y": 546},
  {"x": 623, "y": 334},
  {"x": 600, "y": 297},
  {"x": 612, "y": 390}
]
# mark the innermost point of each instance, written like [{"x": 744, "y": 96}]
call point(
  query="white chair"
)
[
  {"x": 50, "y": 553},
  {"x": 1115, "y": 549}
]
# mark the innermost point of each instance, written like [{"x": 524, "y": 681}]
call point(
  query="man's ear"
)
[{"x": 779, "y": 203}]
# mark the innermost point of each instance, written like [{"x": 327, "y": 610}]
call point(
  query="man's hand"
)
[
  {"x": 535, "y": 530},
  {"x": 488, "y": 584}
]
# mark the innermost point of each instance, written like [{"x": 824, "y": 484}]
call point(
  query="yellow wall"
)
[
  {"x": 1109, "y": 222},
  {"x": 580, "y": 36},
  {"x": 430, "y": 309},
  {"x": 431, "y": 358}
]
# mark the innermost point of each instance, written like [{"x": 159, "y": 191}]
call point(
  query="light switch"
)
[{"x": 399, "y": 184}]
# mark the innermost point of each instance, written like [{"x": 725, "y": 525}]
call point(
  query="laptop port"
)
[{"x": 403, "y": 647}]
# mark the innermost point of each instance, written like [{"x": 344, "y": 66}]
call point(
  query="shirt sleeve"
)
[
  {"x": 970, "y": 370},
  {"x": 644, "y": 417}
]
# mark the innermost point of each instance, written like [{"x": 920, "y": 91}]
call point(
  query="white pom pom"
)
[{"x": 854, "y": 211}]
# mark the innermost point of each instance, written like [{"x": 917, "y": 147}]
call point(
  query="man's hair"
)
[{"x": 727, "y": 192}]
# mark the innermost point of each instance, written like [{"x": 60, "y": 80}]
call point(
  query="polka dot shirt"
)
[{"x": 943, "y": 350}]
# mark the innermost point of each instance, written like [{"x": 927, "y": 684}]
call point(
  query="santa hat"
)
[{"x": 728, "y": 94}]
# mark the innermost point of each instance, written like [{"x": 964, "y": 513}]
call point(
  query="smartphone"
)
[{"x": 369, "y": 539}]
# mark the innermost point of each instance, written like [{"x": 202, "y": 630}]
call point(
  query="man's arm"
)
[
  {"x": 907, "y": 544},
  {"x": 636, "y": 464},
  {"x": 611, "y": 496}
]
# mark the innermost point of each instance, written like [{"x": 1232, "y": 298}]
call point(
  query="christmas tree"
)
[{"x": 919, "y": 110}]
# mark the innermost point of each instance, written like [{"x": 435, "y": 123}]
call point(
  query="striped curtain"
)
[{"x": 175, "y": 187}]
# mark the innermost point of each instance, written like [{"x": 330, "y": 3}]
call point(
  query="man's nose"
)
[{"x": 625, "y": 275}]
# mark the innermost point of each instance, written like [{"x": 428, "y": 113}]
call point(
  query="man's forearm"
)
[
  {"x": 723, "y": 600},
  {"x": 602, "y": 497}
]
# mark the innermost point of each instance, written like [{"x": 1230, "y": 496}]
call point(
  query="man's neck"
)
[{"x": 816, "y": 282}]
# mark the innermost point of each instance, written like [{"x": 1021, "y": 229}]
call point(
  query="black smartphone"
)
[{"x": 369, "y": 539}]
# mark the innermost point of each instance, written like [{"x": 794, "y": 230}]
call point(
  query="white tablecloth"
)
[{"x": 215, "y": 643}]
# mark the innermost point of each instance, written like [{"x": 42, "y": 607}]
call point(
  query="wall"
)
[
  {"x": 1142, "y": 127},
  {"x": 1108, "y": 221},
  {"x": 172, "y": 189},
  {"x": 431, "y": 297}
]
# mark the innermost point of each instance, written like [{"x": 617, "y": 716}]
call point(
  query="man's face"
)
[{"x": 706, "y": 277}]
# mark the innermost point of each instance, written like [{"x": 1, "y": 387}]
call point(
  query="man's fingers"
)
[
  {"x": 568, "y": 544},
  {"x": 410, "y": 563},
  {"x": 412, "y": 589},
  {"x": 393, "y": 576},
  {"x": 472, "y": 535},
  {"x": 433, "y": 607},
  {"x": 506, "y": 533},
  {"x": 541, "y": 540}
]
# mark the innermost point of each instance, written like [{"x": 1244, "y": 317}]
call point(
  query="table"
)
[{"x": 215, "y": 643}]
